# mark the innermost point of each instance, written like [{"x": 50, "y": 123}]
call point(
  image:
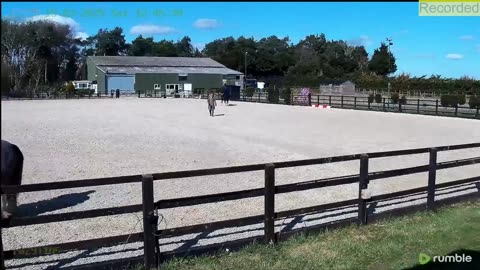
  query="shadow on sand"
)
[{"x": 57, "y": 203}]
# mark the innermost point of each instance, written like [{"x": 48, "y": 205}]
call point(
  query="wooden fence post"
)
[
  {"x": 456, "y": 110},
  {"x": 318, "y": 100},
  {"x": 436, "y": 107},
  {"x": 310, "y": 99},
  {"x": 291, "y": 98},
  {"x": 432, "y": 175},
  {"x": 418, "y": 105},
  {"x": 476, "y": 114},
  {"x": 362, "y": 186},
  {"x": 269, "y": 218},
  {"x": 329, "y": 100},
  {"x": 258, "y": 96},
  {"x": 399, "y": 106},
  {"x": 383, "y": 104},
  {"x": 354, "y": 102},
  {"x": 342, "y": 103},
  {"x": 148, "y": 227}
]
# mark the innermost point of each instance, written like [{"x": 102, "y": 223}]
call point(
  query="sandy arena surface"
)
[{"x": 66, "y": 140}]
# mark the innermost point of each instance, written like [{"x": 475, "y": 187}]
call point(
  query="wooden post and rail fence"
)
[
  {"x": 418, "y": 106},
  {"x": 151, "y": 233}
]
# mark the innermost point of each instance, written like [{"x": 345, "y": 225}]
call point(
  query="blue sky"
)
[{"x": 448, "y": 46}]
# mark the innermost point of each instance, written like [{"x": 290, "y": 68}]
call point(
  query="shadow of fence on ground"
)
[{"x": 191, "y": 247}]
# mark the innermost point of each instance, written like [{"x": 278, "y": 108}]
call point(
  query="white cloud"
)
[
  {"x": 206, "y": 23},
  {"x": 81, "y": 35},
  {"x": 363, "y": 40},
  {"x": 466, "y": 37},
  {"x": 74, "y": 26},
  {"x": 454, "y": 56},
  {"x": 151, "y": 29}
]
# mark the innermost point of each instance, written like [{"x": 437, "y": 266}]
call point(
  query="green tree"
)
[
  {"x": 474, "y": 102},
  {"x": 461, "y": 99},
  {"x": 249, "y": 91},
  {"x": 70, "y": 88},
  {"x": 286, "y": 95},
  {"x": 111, "y": 43},
  {"x": 5, "y": 78},
  {"x": 141, "y": 46},
  {"x": 371, "y": 98},
  {"x": 395, "y": 97},
  {"x": 165, "y": 48},
  {"x": 185, "y": 47},
  {"x": 273, "y": 94},
  {"x": 444, "y": 101},
  {"x": 383, "y": 61}
]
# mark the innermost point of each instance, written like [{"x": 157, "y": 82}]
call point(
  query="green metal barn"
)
[{"x": 170, "y": 75}]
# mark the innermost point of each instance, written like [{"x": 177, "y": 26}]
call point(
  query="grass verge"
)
[{"x": 389, "y": 244}]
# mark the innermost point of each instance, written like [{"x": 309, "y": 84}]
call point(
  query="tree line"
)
[{"x": 42, "y": 54}]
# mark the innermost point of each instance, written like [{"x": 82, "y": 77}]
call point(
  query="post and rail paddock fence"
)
[
  {"x": 151, "y": 233},
  {"x": 415, "y": 106},
  {"x": 65, "y": 95}
]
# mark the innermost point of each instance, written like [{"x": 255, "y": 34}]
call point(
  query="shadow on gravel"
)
[
  {"x": 473, "y": 265},
  {"x": 243, "y": 235},
  {"x": 371, "y": 208},
  {"x": 222, "y": 114},
  {"x": 57, "y": 203}
]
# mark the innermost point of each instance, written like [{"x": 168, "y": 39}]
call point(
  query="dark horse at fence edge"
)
[{"x": 12, "y": 168}]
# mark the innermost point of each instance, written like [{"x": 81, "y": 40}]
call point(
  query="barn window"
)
[
  {"x": 237, "y": 77},
  {"x": 156, "y": 87},
  {"x": 182, "y": 77}
]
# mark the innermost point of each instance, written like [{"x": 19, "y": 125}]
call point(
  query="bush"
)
[
  {"x": 84, "y": 92},
  {"x": 371, "y": 97},
  {"x": 403, "y": 100},
  {"x": 461, "y": 99},
  {"x": 395, "y": 98},
  {"x": 445, "y": 101},
  {"x": 452, "y": 100},
  {"x": 378, "y": 98},
  {"x": 474, "y": 102},
  {"x": 273, "y": 95},
  {"x": 250, "y": 91},
  {"x": 70, "y": 88},
  {"x": 286, "y": 95}
]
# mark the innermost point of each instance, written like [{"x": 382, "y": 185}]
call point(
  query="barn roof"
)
[
  {"x": 335, "y": 82},
  {"x": 149, "y": 61},
  {"x": 149, "y": 69}
]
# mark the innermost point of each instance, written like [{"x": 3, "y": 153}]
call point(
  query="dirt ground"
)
[{"x": 78, "y": 139}]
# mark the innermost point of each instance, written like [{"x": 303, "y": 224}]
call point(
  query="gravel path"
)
[{"x": 77, "y": 139}]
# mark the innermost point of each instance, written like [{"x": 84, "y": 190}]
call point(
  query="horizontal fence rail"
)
[
  {"x": 215, "y": 171},
  {"x": 149, "y": 207},
  {"x": 387, "y": 104}
]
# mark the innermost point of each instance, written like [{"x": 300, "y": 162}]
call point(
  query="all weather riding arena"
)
[{"x": 128, "y": 181}]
